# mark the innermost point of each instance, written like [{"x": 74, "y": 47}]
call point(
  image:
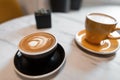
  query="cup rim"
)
[
  {"x": 105, "y": 14},
  {"x": 41, "y": 52}
]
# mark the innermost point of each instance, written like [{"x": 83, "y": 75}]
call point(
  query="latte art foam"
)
[
  {"x": 101, "y": 18},
  {"x": 37, "y": 42}
]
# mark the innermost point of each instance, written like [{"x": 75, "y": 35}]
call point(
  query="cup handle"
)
[{"x": 111, "y": 37}]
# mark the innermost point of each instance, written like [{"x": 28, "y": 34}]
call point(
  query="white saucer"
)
[{"x": 107, "y": 47}]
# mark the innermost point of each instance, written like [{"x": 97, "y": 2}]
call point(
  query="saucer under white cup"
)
[{"x": 107, "y": 47}]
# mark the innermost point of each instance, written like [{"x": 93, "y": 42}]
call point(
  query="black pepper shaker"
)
[{"x": 43, "y": 18}]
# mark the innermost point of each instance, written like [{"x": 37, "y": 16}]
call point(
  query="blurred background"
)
[
  {"x": 29, "y": 6},
  {"x": 16, "y": 8}
]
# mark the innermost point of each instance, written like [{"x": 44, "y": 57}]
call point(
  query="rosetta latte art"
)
[{"x": 38, "y": 42}]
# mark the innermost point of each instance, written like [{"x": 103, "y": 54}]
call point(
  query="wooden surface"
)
[{"x": 80, "y": 64}]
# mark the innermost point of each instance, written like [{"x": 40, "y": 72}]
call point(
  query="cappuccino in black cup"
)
[{"x": 38, "y": 45}]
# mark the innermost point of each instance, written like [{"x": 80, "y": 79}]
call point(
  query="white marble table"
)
[{"x": 79, "y": 65}]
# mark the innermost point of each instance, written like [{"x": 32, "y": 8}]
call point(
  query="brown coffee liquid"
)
[{"x": 37, "y": 42}]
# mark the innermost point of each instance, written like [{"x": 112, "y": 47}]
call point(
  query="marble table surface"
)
[{"x": 79, "y": 65}]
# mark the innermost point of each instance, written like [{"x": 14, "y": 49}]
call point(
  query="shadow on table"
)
[{"x": 84, "y": 61}]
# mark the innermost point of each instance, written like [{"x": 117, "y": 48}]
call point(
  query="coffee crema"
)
[
  {"x": 37, "y": 42},
  {"x": 102, "y": 18}
]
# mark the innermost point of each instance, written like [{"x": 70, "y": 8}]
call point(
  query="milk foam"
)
[
  {"x": 101, "y": 18},
  {"x": 38, "y": 42}
]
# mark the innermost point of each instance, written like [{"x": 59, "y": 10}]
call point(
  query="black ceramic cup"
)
[{"x": 38, "y": 47}]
